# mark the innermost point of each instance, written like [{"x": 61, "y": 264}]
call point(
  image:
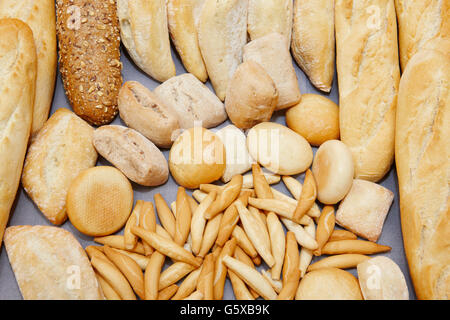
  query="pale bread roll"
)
[
  {"x": 18, "y": 63},
  {"x": 58, "y": 153},
  {"x": 40, "y": 17},
  {"x": 422, "y": 153},
  {"x": 368, "y": 75},
  {"x": 50, "y": 264},
  {"x": 222, "y": 34}
]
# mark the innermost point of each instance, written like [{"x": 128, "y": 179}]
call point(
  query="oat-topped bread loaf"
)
[{"x": 89, "y": 57}]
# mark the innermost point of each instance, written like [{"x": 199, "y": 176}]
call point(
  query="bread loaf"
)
[
  {"x": 368, "y": 74},
  {"x": 58, "y": 153},
  {"x": 419, "y": 22},
  {"x": 145, "y": 34},
  {"x": 313, "y": 41},
  {"x": 89, "y": 57},
  {"x": 18, "y": 67},
  {"x": 422, "y": 156},
  {"x": 40, "y": 17}
]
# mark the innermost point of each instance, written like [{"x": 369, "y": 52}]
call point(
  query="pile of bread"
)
[{"x": 392, "y": 59}]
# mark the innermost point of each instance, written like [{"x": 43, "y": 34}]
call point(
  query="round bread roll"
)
[
  {"x": 315, "y": 118},
  {"x": 251, "y": 96},
  {"x": 279, "y": 149},
  {"x": 329, "y": 284},
  {"x": 99, "y": 201},
  {"x": 333, "y": 171},
  {"x": 197, "y": 157}
]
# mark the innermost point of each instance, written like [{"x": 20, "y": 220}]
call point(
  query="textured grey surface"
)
[{"x": 26, "y": 213}]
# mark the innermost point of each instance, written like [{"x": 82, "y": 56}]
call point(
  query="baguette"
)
[
  {"x": 40, "y": 17},
  {"x": 368, "y": 75},
  {"x": 145, "y": 34},
  {"x": 18, "y": 63},
  {"x": 89, "y": 57},
  {"x": 422, "y": 153},
  {"x": 313, "y": 41}
]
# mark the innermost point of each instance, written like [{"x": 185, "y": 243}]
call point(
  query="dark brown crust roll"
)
[{"x": 89, "y": 57}]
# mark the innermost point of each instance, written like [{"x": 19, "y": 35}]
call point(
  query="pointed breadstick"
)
[
  {"x": 260, "y": 183},
  {"x": 229, "y": 193},
  {"x": 278, "y": 195},
  {"x": 220, "y": 270},
  {"x": 188, "y": 244},
  {"x": 277, "y": 285},
  {"x": 210, "y": 234},
  {"x": 129, "y": 268},
  {"x": 118, "y": 242},
  {"x": 174, "y": 273},
  {"x": 130, "y": 240},
  {"x": 257, "y": 260},
  {"x": 353, "y": 246},
  {"x": 165, "y": 215},
  {"x": 244, "y": 242},
  {"x": 325, "y": 227},
  {"x": 306, "y": 255},
  {"x": 256, "y": 232},
  {"x": 140, "y": 259},
  {"x": 252, "y": 277},
  {"x": 200, "y": 195},
  {"x": 242, "y": 256},
  {"x": 114, "y": 277},
  {"x": 282, "y": 208},
  {"x": 303, "y": 238},
  {"x": 183, "y": 217},
  {"x": 259, "y": 214},
  {"x": 340, "y": 261},
  {"x": 188, "y": 285},
  {"x": 293, "y": 185},
  {"x": 208, "y": 188},
  {"x": 205, "y": 282},
  {"x": 313, "y": 212},
  {"x": 291, "y": 272},
  {"x": 277, "y": 243},
  {"x": 342, "y": 235},
  {"x": 152, "y": 275},
  {"x": 95, "y": 251},
  {"x": 166, "y": 246},
  {"x": 107, "y": 290},
  {"x": 173, "y": 207},
  {"x": 147, "y": 221},
  {"x": 241, "y": 292},
  {"x": 192, "y": 204},
  {"x": 249, "y": 182},
  {"x": 290, "y": 288},
  {"x": 198, "y": 221},
  {"x": 307, "y": 197},
  {"x": 196, "y": 295},
  {"x": 167, "y": 293},
  {"x": 162, "y": 232}
]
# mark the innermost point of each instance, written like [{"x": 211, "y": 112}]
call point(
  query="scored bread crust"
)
[{"x": 89, "y": 57}]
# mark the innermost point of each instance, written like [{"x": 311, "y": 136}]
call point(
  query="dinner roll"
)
[
  {"x": 99, "y": 201},
  {"x": 316, "y": 118}
]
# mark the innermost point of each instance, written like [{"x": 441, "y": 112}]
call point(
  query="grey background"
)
[{"x": 24, "y": 212}]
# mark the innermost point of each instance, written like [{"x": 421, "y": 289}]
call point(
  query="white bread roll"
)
[
  {"x": 40, "y": 17},
  {"x": 422, "y": 154},
  {"x": 368, "y": 74},
  {"x": 18, "y": 67}
]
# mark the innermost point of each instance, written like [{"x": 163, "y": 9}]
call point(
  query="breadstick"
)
[
  {"x": 118, "y": 242},
  {"x": 152, "y": 275},
  {"x": 196, "y": 295},
  {"x": 291, "y": 271},
  {"x": 140, "y": 259},
  {"x": 147, "y": 221},
  {"x": 342, "y": 235},
  {"x": 205, "y": 282},
  {"x": 325, "y": 227},
  {"x": 220, "y": 270},
  {"x": 244, "y": 242},
  {"x": 192, "y": 204},
  {"x": 165, "y": 215},
  {"x": 183, "y": 217},
  {"x": 314, "y": 212},
  {"x": 249, "y": 183},
  {"x": 293, "y": 185},
  {"x": 210, "y": 234},
  {"x": 108, "y": 291},
  {"x": 303, "y": 238},
  {"x": 174, "y": 273},
  {"x": 199, "y": 220},
  {"x": 282, "y": 208},
  {"x": 277, "y": 285},
  {"x": 307, "y": 197},
  {"x": 258, "y": 214},
  {"x": 306, "y": 255},
  {"x": 207, "y": 188},
  {"x": 260, "y": 183},
  {"x": 166, "y": 246},
  {"x": 241, "y": 292},
  {"x": 229, "y": 193},
  {"x": 341, "y": 261},
  {"x": 353, "y": 246},
  {"x": 173, "y": 207},
  {"x": 256, "y": 232},
  {"x": 290, "y": 288},
  {"x": 188, "y": 285},
  {"x": 94, "y": 251},
  {"x": 162, "y": 232},
  {"x": 167, "y": 293},
  {"x": 252, "y": 277},
  {"x": 129, "y": 268},
  {"x": 114, "y": 277},
  {"x": 242, "y": 256},
  {"x": 277, "y": 243},
  {"x": 257, "y": 260},
  {"x": 130, "y": 240}
]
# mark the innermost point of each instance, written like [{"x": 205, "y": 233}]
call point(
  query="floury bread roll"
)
[
  {"x": 50, "y": 264},
  {"x": 422, "y": 152},
  {"x": 40, "y": 17},
  {"x": 419, "y": 22},
  {"x": 145, "y": 34},
  {"x": 368, "y": 74},
  {"x": 18, "y": 67},
  {"x": 313, "y": 41},
  {"x": 222, "y": 34},
  {"x": 89, "y": 57}
]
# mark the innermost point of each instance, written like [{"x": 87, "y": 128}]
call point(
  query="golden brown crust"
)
[{"x": 89, "y": 40}]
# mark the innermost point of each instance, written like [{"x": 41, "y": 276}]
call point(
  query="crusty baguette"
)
[
  {"x": 419, "y": 22},
  {"x": 50, "y": 264},
  {"x": 368, "y": 75},
  {"x": 183, "y": 32},
  {"x": 313, "y": 41},
  {"x": 18, "y": 67},
  {"x": 145, "y": 34},
  {"x": 422, "y": 159},
  {"x": 270, "y": 16},
  {"x": 89, "y": 57},
  {"x": 40, "y": 17},
  {"x": 222, "y": 34}
]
